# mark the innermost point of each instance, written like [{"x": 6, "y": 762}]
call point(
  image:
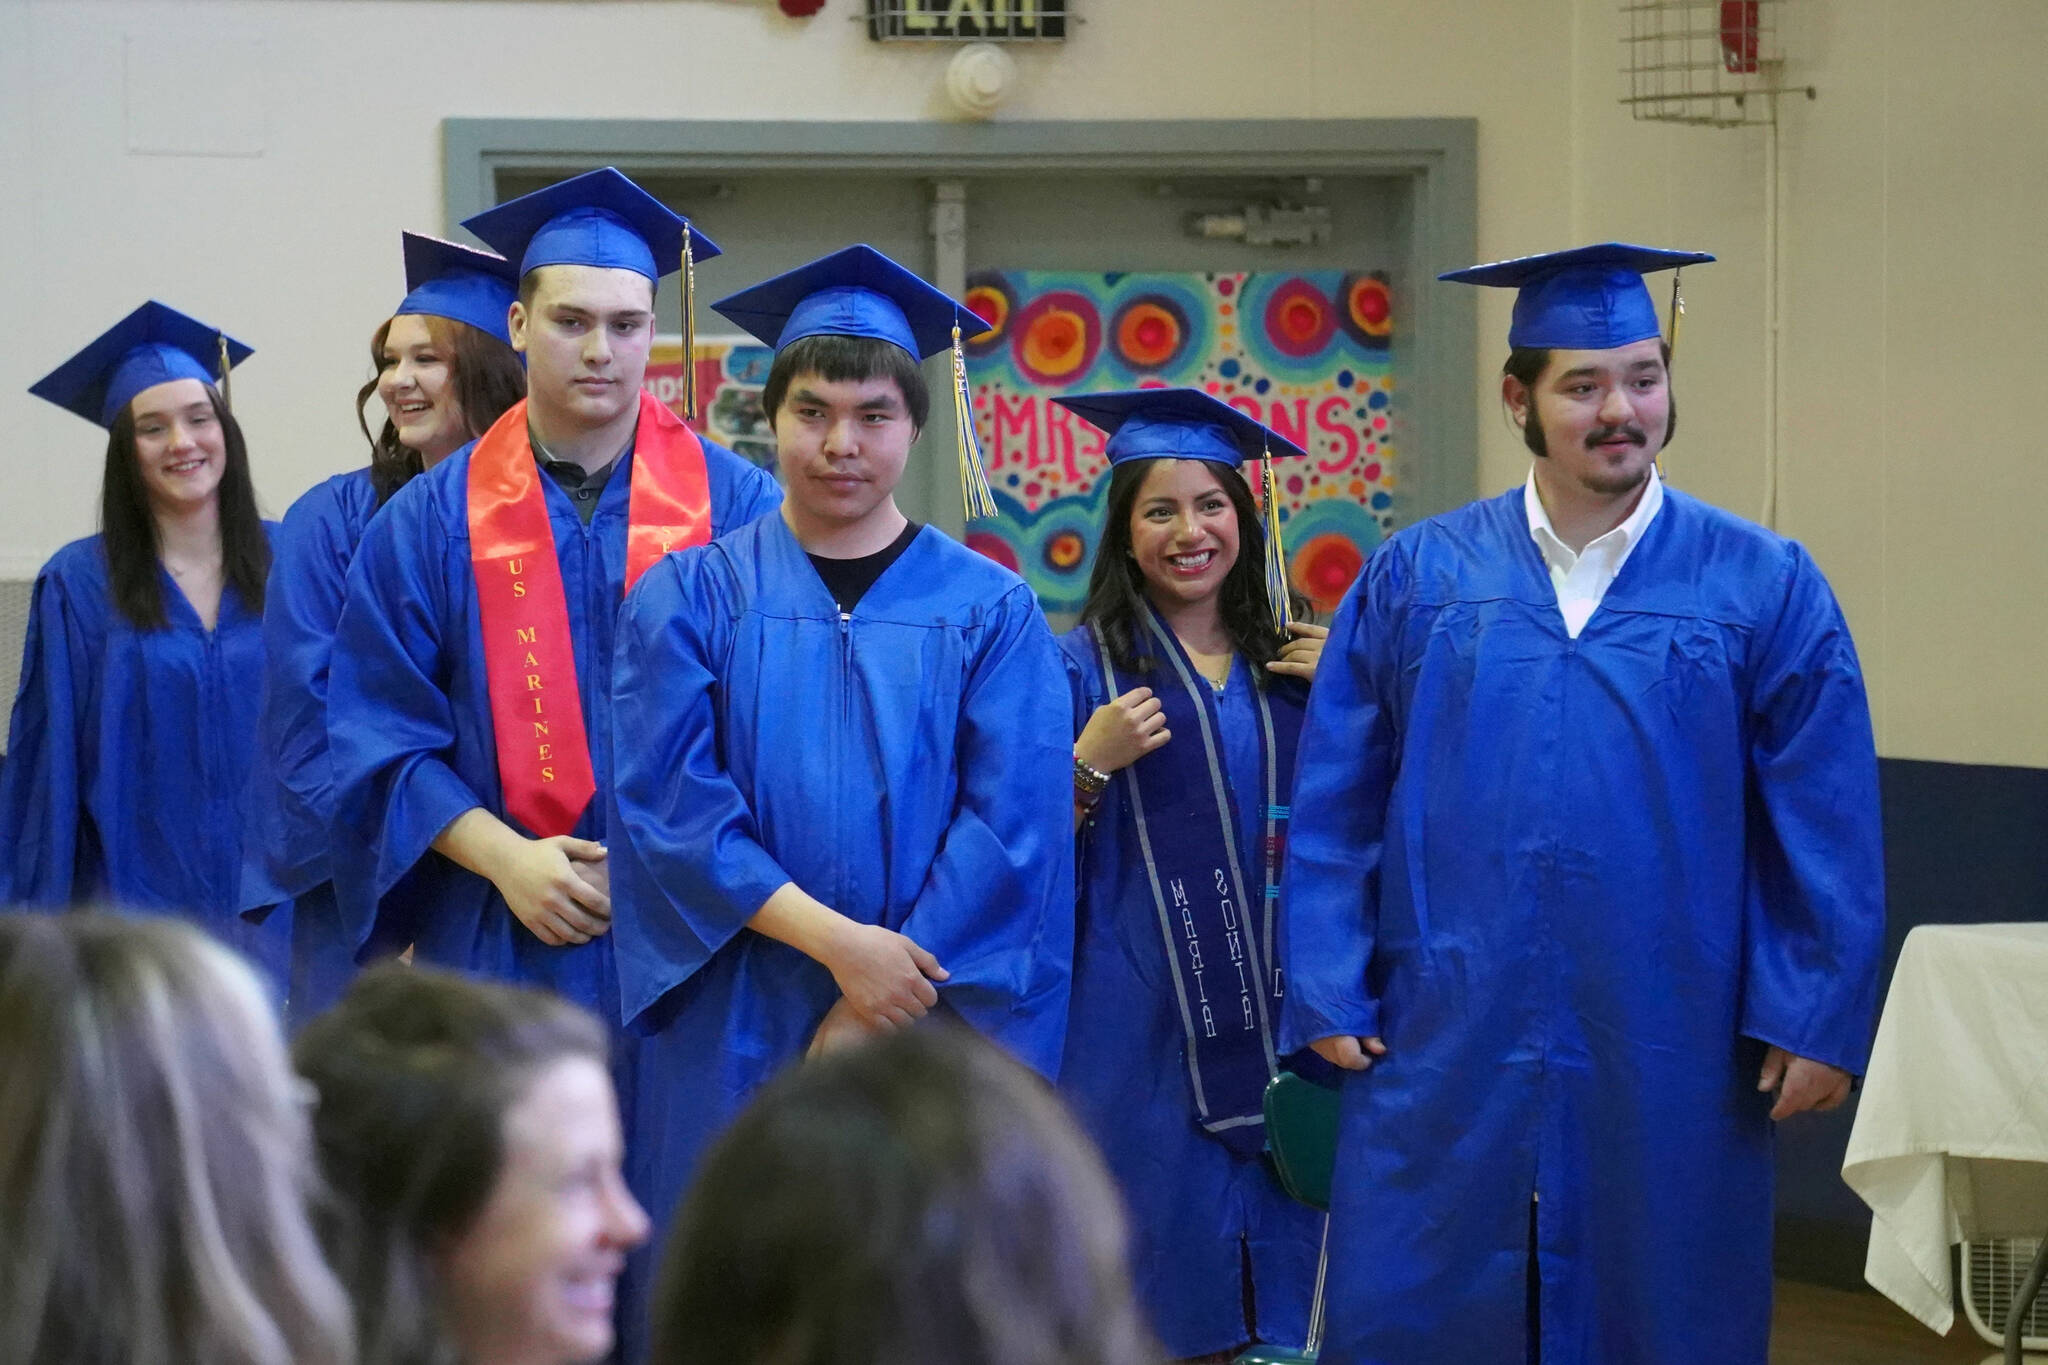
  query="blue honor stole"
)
[{"x": 1217, "y": 928}]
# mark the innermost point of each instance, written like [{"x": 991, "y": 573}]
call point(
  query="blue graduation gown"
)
[
  {"x": 1191, "y": 1200},
  {"x": 409, "y": 718},
  {"x": 288, "y": 828},
  {"x": 1576, "y": 885},
  {"x": 128, "y": 753},
  {"x": 908, "y": 765}
]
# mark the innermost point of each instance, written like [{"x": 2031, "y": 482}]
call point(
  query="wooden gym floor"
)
[{"x": 1816, "y": 1326}]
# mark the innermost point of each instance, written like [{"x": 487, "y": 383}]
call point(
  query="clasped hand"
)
[{"x": 560, "y": 888}]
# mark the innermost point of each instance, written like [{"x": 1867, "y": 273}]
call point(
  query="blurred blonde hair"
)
[{"x": 155, "y": 1159}]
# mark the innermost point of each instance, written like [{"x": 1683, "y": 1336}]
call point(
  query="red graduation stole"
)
[{"x": 529, "y": 659}]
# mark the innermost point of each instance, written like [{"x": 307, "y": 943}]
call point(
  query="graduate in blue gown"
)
[
  {"x": 133, "y": 729},
  {"x": 469, "y": 700},
  {"x": 445, "y": 371},
  {"x": 1189, "y": 688},
  {"x": 842, "y": 753},
  {"x": 1585, "y": 886}
]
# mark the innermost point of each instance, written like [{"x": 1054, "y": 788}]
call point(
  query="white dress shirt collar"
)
[{"x": 1582, "y": 577}]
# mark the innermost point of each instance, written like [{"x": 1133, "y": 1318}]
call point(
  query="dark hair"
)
[
  {"x": 128, "y": 535},
  {"x": 155, "y": 1165},
  {"x": 1116, "y": 587},
  {"x": 1525, "y": 365},
  {"x": 415, "y": 1070},
  {"x": 837, "y": 359},
  {"x": 917, "y": 1198},
  {"x": 487, "y": 378}
]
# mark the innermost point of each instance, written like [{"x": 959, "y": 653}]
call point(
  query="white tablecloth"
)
[{"x": 1951, "y": 1135}]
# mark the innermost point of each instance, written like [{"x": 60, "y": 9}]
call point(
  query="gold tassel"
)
[
  {"x": 974, "y": 490},
  {"x": 1671, "y": 345},
  {"x": 689, "y": 329},
  {"x": 1277, "y": 593},
  {"x": 1677, "y": 316},
  {"x": 227, "y": 399}
]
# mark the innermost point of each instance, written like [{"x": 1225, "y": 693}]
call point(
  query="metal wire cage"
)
[
  {"x": 1993, "y": 1275},
  {"x": 1712, "y": 62}
]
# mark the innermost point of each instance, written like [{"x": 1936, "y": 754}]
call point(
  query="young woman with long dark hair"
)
[
  {"x": 1189, "y": 690},
  {"x": 445, "y": 370},
  {"x": 133, "y": 728}
]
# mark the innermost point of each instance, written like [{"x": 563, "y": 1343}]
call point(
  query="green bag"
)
[
  {"x": 1301, "y": 1141},
  {"x": 1301, "y": 1137}
]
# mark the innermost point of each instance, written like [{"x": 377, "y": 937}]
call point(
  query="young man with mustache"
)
[{"x": 1585, "y": 881}]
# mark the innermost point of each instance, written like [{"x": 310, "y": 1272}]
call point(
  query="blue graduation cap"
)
[
  {"x": 1182, "y": 424},
  {"x": 448, "y": 280},
  {"x": 602, "y": 218},
  {"x": 1590, "y": 298},
  {"x": 859, "y": 292},
  {"x": 855, "y": 292},
  {"x": 598, "y": 218},
  {"x": 152, "y": 345},
  {"x": 1187, "y": 424}
]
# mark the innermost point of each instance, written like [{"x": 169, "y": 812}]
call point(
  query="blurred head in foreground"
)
[
  {"x": 154, "y": 1162},
  {"x": 917, "y": 1198},
  {"x": 471, "y": 1137}
]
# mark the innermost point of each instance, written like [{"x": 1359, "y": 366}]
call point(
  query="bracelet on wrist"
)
[{"x": 1089, "y": 781}]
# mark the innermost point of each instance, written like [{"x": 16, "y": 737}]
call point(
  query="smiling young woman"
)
[
  {"x": 471, "y": 1137},
  {"x": 131, "y": 736},
  {"x": 446, "y": 371},
  {"x": 1186, "y": 700}
]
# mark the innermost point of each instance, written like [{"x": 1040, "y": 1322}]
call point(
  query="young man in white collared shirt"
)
[
  {"x": 1603, "y": 482},
  {"x": 1585, "y": 868}
]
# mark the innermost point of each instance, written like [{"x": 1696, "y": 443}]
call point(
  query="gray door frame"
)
[{"x": 1438, "y": 158}]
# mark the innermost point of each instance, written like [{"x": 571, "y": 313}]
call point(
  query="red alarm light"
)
[{"x": 1740, "y": 25}]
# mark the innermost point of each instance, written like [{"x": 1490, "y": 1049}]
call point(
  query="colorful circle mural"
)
[
  {"x": 1150, "y": 333},
  {"x": 1299, "y": 318},
  {"x": 993, "y": 299},
  {"x": 1056, "y": 337},
  {"x": 1367, "y": 314},
  {"x": 1327, "y": 542}
]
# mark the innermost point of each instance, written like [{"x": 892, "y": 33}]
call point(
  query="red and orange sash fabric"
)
[{"x": 529, "y": 659}]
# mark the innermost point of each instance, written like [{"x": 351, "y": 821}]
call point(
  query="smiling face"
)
[
  {"x": 531, "y": 1282},
  {"x": 416, "y": 385},
  {"x": 1184, "y": 532},
  {"x": 586, "y": 332},
  {"x": 841, "y": 445},
  {"x": 180, "y": 447},
  {"x": 1603, "y": 415}
]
